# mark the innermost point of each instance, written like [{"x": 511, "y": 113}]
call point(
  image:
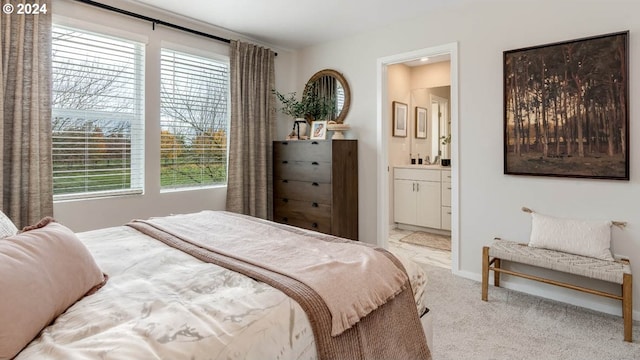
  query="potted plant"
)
[
  {"x": 310, "y": 107},
  {"x": 445, "y": 140}
]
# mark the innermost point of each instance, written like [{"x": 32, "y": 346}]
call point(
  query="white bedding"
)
[{"x": 160, "y": 303}]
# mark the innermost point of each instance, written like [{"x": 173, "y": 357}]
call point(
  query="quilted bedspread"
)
[{"x": 164, "y": 304}]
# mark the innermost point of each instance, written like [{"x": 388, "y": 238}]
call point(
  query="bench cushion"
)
[{"x": 611, "y": 271}]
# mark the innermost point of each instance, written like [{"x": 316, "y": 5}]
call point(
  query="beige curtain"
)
[
  {"x": 25, "y": 116},
  {"x": 249, "y": 189}
]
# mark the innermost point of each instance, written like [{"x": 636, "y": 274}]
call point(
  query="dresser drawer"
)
[
  {"x": 305, "y": 214},
  {"x": 302, "y": 150},
  {"x": 302, "y": 190},
  {"x": 323, "y": 227},
  {"x": 312, "y": 171},
  {"x": 304, "y": 209}
]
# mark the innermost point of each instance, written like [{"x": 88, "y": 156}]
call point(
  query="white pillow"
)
[
  {"x": 581, "y": 237},
  {"x": 7, "y": 227}
]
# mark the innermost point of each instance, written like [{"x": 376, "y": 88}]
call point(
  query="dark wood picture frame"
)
[
  {"x": 571, "y": 102},
  {"x": 421, "y": 122},
  {"x": 400, "y": 119}
]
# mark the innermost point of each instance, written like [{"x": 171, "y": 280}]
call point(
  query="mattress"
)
[{"x": 164, "y": 304}]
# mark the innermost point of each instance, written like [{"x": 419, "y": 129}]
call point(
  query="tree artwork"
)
[{"x": 566, "y": 109}]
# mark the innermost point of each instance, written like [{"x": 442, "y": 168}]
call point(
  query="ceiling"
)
[{"x": 295, "y": 24}]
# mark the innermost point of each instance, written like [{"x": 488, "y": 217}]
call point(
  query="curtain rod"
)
[
  {"x": 155, "y": 21},
  {"x": 152, "y": 20}
]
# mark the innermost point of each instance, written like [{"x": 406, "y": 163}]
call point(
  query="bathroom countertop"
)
[{"x": 422, "y": 166}]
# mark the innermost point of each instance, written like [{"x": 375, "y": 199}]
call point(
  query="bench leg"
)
[
  {"x": 627, "y": 307},
  {"x": 485, "y": 272},
  {"x": 496, "y": 274}
]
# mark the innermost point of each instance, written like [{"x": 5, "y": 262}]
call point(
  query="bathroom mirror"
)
[
  {"x": 330, "y": 84},
  {"x": 436, "y": 102}
]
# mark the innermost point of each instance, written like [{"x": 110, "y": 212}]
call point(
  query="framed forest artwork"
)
[{"x": 566, "y": 109}]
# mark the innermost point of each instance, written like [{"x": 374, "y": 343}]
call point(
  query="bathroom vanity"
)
[{"x": 422, "y": 196}]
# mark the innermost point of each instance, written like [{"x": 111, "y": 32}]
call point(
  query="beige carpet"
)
[
  {"x": 517, "y": 326},
  {"x": 433, "y": 241}
]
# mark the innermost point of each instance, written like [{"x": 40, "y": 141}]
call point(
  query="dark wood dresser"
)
[{"x": 315, "y": 185}]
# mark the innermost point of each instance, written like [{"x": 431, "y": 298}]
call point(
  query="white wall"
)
[
  {"x": 81, "y": 215},
  {"x": 489, "y": 200}
]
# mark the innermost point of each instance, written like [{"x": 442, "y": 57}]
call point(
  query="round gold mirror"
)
[{"x": 331, "y": 86}]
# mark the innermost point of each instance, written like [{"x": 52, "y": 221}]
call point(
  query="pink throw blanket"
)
[{"x": 373, "y": 278}]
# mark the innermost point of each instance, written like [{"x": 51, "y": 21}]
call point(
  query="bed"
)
[{"x": 162, "y": 303}]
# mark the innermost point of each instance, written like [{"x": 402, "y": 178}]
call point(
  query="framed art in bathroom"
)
[
  {"x": 421, "y": 123},
  {"x": 566, "y": 108},
  {"x": 400, "y": 122}
]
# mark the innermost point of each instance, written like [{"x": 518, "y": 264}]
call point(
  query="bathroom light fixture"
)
[{"x": 424, "y": 59}]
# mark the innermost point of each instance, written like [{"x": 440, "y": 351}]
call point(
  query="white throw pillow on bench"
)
[{"x": 590, "y": 238}]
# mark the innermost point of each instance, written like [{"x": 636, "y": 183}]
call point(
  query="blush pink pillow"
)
[{"x": 42, "y": 273}]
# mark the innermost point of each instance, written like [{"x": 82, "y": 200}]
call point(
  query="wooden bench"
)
[{"x": 618, "y": 271}]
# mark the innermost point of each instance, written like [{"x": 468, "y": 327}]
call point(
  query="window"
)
[
  {"x": 194, "y": 118},
  {"x": 97, "y": 116}
]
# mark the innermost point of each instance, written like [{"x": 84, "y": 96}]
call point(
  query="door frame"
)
[{"x": 383, "y": 129}]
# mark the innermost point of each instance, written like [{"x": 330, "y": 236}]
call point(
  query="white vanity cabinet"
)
[
  {"x": 446, "y": 200},
  {"x": 417, "y": 196}
]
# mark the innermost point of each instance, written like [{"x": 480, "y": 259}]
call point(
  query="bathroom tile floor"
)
[{"x": 419, "y": 254}]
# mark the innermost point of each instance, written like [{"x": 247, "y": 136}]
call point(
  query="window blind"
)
[
  {"x": 194, "y": 120},
  {"x": 97, "y": 115}
]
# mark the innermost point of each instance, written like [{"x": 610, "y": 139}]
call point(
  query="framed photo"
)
[
  {"x": 566, "y": 109},
  {"x": 421, "y": 122},
  {"x": 319, "y": 130},
  {"x": 400, "y": 122}
]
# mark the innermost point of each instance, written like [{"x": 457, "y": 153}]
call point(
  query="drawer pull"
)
[
  {"x": 314, "y": 204},
  {"x": 285, "y": 200},
  {"x": 314, "y": 225},
  {"x": 315, "y": 184},
  {"x": 448, "y": 212},
  {"x": 285, "y": 181},
  {"x": 314, "y": 163},
  {"x": 285, "y": 162},
  {"x": 314, "y": 143},
  {"x": 449, "y": 188},
  {"x": 284, "y": 143}
]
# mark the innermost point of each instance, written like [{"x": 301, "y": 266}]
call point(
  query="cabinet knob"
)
[
  {"x": 315, "y": 184},
  {"x": 314, "y": 225},
  {"x": 314, "y": 163},
  {"x": 314, "y": 143},
  {"x": 284, "y": 143},
  {"x": 314, "y": 204},
  {"x": 448, "y": 212},
  {"x": 449, "y": 188},
  {"x": 285, "y": 200},
  {"x": 285, "y": 181},
  {"x": 285, "y": 162}
]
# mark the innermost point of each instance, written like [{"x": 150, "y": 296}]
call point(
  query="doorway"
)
[{"x": 383, "y": 130}]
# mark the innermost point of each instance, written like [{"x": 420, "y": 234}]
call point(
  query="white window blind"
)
[
  {"x": 97, "y": 117},
  {"x": 194, "y": 120}
]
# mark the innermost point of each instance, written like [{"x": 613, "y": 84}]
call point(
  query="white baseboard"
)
[{"x": 534, "y": 288}]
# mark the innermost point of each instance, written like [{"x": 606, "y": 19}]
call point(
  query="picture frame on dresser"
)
[
  {"x": 400, "y": 122},
  {"x": 318, "y": 130}
]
